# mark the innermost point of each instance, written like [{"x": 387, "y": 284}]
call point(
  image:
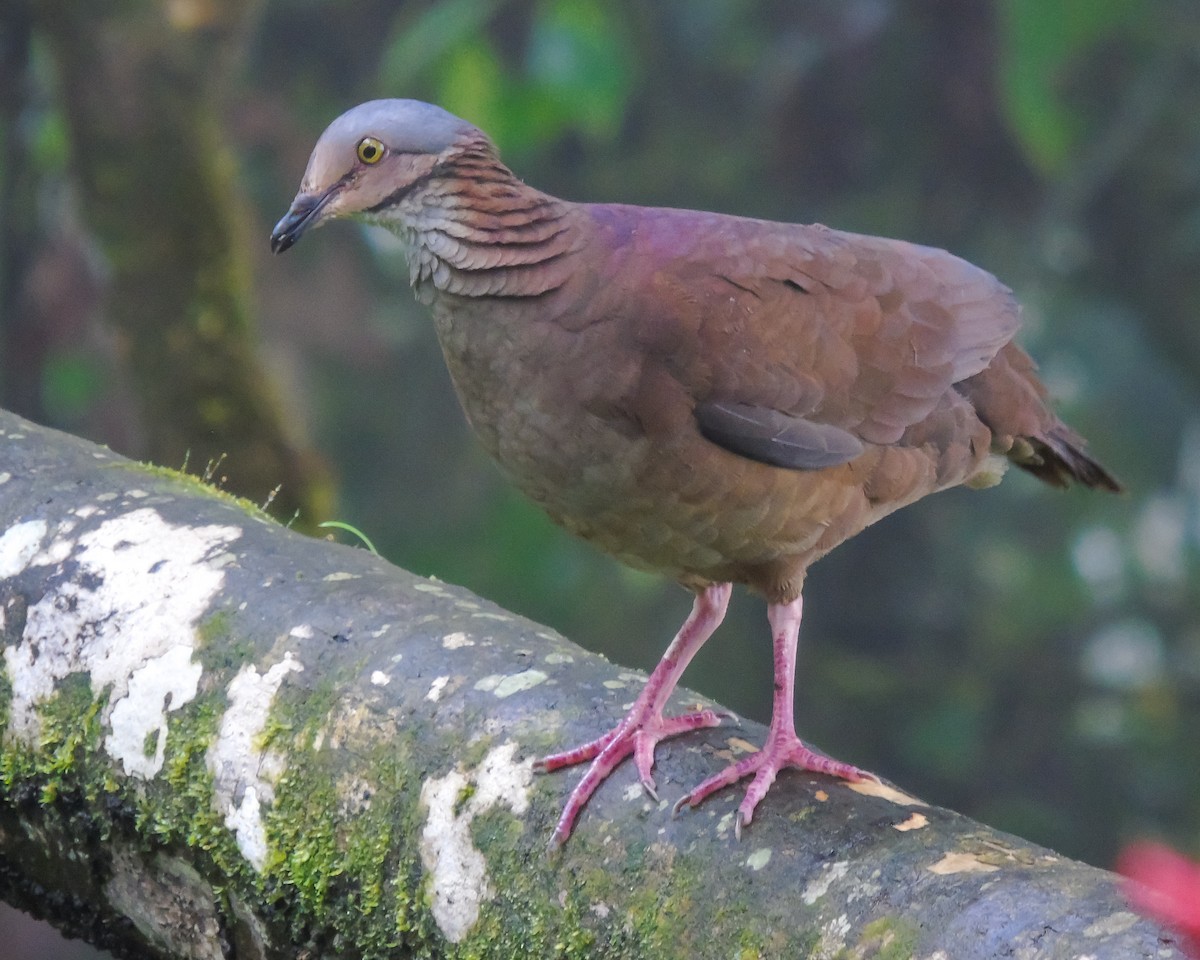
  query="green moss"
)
[
  {"x": 193, "y": 484},
  {"x": 463, "y": 798},
  {"x": 299, "y": 714},
  {"x": 218, "y": 648},
  {"x": 303, "y": 843},
  {"x": 346, "y": 852},
  {"x": 888, "y": 938},
  {"x": 185, "y": 813},
  {"x": 64, "y": 741},
  {"x": 214, "y": 628},
  {"x": 470, "y": 755},
  {"x": 69, "y": 734},
  {"x": 6, "y": 692}
]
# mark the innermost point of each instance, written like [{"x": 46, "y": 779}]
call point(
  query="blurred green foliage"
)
[
  {"x": 1028, "y": 657},
  {"x": 575, "y": 72},
  {"x": 1040, "y": 45},
  {"x": 72, "y": 381}
]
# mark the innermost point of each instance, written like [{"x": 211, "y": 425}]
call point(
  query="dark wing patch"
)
[{"x": 774, "y": 438}]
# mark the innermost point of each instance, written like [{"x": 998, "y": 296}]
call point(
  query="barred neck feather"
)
[{"x": 474, "y": 230}]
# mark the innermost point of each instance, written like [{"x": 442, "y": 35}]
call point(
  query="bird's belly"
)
[{"x": 682, "y": 508}]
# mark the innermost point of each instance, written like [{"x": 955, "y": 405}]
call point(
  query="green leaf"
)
[
  {"x": 342, "y": 525},
  {"x": 1039, "y": 43},
  {"x": 579, "y": 56},
  {"x": 420, "y": 45},
  {"x": 71, "y": 381},
  {"x": 471, "y": 83}
]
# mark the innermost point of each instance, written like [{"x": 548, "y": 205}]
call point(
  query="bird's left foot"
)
[
  {"x": 638, "y": 735},
  {"x": 644, "y": 726},
  {"x": 782, "y": 749}
]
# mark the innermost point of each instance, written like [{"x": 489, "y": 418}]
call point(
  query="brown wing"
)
[{"x": 832, "y": 329}]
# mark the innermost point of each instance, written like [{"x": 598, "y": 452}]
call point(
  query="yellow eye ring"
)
[{"x": 369, "y": 150}]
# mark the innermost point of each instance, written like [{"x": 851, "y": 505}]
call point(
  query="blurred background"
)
[{"x": 1028, "y": 657}]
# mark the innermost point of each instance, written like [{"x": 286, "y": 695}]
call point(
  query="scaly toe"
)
[{"x": 780, "y": 752}]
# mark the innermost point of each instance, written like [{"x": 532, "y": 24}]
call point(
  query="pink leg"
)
[
  {"x": 644, "y": 726},
  {"x": 783, "y": 748}
]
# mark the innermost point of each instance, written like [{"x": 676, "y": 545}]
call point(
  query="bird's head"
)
[{"x": 368, "y": 159}]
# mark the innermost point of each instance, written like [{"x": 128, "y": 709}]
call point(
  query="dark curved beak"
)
[{"x": 304, "y": 212}]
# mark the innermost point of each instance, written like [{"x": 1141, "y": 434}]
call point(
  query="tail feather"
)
[
  {"x": 1010, "y": 399},
  {"x": 1059, "y": 457}
]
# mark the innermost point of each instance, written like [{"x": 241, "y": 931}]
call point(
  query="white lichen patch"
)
[
  {"x": 19, "y": 544},
  {"x": 126, "y": 617},
  {"x": 339, "y": 576},
  {"x": 302, "y": 632},
  {"x": 819, "y": 886},
  {"x": 1111, "y": 925},
  {"x": 436, "y": 688},
  {"x": 519, "y": 682},
  {"x": 759, "y": 858},
  {"x": 244, "y": 773},
  {"x": 557, "y": 658},
  {"x": 456, "y": 640},
  {"x": 380, "y": 679},
  {"x": 430, "y": 586},
  {"x": 158, "y": 685},
  {"x": 458, "y": 875},
  {"x": 5, "y": 477},
  {"x": 833, "y": 938}
]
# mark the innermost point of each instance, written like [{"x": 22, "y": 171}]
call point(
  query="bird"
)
[{"x": 718, "y": 399}]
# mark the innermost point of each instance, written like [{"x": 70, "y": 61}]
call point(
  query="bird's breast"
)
[{"x": 604, "y": 439}]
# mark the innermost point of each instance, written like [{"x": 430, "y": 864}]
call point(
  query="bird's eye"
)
[{"x": 370, "y": 150}]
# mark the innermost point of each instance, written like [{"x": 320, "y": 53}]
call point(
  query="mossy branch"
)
[{"x": 222, "y": 739}]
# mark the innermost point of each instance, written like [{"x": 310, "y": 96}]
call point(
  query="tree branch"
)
[{"x": 222, "y": 739}]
